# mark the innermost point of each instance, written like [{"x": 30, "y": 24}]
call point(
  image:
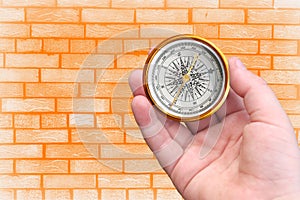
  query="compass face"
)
[{"x": 186, "y": 77}]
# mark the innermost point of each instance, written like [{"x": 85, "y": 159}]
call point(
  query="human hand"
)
[{"x": 256, "y": 155}]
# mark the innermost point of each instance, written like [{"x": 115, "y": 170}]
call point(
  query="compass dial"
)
[{"x": 186, "y": 77}]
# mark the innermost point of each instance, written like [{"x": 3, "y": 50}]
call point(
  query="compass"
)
[{"x": 186, "y": 77}]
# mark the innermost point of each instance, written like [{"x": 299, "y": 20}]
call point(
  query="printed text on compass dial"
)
[{"x": 187, "y": 78}]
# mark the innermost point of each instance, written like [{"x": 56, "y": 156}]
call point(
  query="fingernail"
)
[{"x": 240, "y": 65}]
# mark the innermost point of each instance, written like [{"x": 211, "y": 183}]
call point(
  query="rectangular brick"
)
[
  {"x": 54, "y": 121},
  {"x": 129, "y": 121},
  {"x": 74, "y": 60},
  {"x": 109, "y": 121},
  {"x": 124, "y": 181},
  {"x": 206, "y": 30},
  {"x": 291, "y": 106},
  {"x": 218, "y": 15},
  {"x": 1, "y": 60},
  {"x": 110, "y": 46},
  {"x": 142, "y": 166},
  {"x": 163, "y": 194},
  {"x": 88, "y": 61},
  {"x": 14, "y": 30},
  {"x": 7, "y": 45},
  {"x": 141, "y": 194},
  {"x": 52, "y": 15},
  {"x": 42, "y": 136},
  {"x": 21, "y": 151},
  {"x": 113, "y": 75},
  {"x": 120, "y": 105},
  {"x": 20, "y": 181},
  {"x": 134, "y": 136},
  {"x": 6, "y": 166},
  {"x": 57, "y": 194},
  {"x": 137, "y": 4},
  {"x": 105, "y": 90},
  {"x": 7, "y": 193},
  {"x": 81, "y": 120},
  {"x": 107, "y": 31},
  {"x": 23, "y": 3},
  {"x": 70, "y": 181},
  {"x": 41, "y": 166},
  {"x": 27, "y": 121},
  {"x": 19, "y": 75},
  {"x": 295, "y": 119},
  {"x": 97, "y": 136},
  {"x": 83, "y": 3},
  {"x": 56, "y": 45},
  {"x": 278, "y": 47},
  {"x": 270, "y": 16},
  {"x": 113, "y": 194},
  {"x": 162, "y": 16},
  {"x": 255, "y": 62},
  {"x": 192, "y": 4},
  {"x": 29, "y": 45},
  {"x": 136, "y": 45},
  {"x": 286, "y": 32},
  {"x": 82, "y": 46},
  {"x": 286, "y": 4},
  {"x": 28, "y": 105},
  {"x": 6, "y": 121},
  {"x": 51, "y": 90},
  {"x": 85, "y": 194},
  {"x": 29, "y": 194},
  {"x": 281, "y": 77},
  {"x": 12, "y": 15},
  {"x": 287, "y": 62},
  {"x": 108, "y": 15},
  {"x": 67, "y": 75},
  {"x": 83, "y": 105},
  {"x": 237, "y": 46},
  {"x": 125, "y": 151},
  {"x": 162, "y": 181},
  {"x": 57, "y": 30},
  {"x": 285, "y": 91},
  {"x": 6, "y": 136},
  {"x": 71, "y": 151},
  {"x": 246, "y": 3},
  {"x": 164, "y": 31},
  {"x": 32, "y": 60},
  {"x": 246, "y": 31},
  {"x": 96, "y": 166},
  {"x": 131, "y": 61}
]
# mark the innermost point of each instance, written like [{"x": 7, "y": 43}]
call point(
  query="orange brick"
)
[
  {"x": 142, "y": 166},
  {"x": 134, "y": 136},
  {"x": 141, "y": 194},
  {"x": 291, "y": 106},
  {"x": 67, "y": 75},
  {"x": 5, "y": 121},
  {"x": 52, "y": 15},
  {"x": 125, "y": 151},
  {"x": 287, "y": 62},
  {"x": 56, "y": 45},
  {"x": 51, "y": 90},
  {"x": 136, "y": 45},
  {"x": 7, "y": 45},
  {"x": 162, "y": 181},
  {"x": 57, "y": 30},
  {"x": 28, "y": 105},
  {"x": 1, "y": 60},
  {"x": 7, "y": 193},
  {"x": 278, "y": 47},
  {"x": 20, "y": 181},
  {"x": 28, "y": 3},
  {"x": 286, "y": 4},
  {"x": 137, "y": 4},
  {"x": 162, "y": 16},
  {"x": 113, "y": 76},
  {"x": 87, "y": 136},
  {"x": 107, "y": 31},
  {"x": 29, "y": 45},
  {"x": 286, "y": 32},
  {"x": 131, "y": 61},
  {"x": 237, "y": 46},
  {"x": 6, "y": 136},
  {"x": 168, "y": 194},
  {"x": 71, "y": 151},
  {"x": 96, "y": 166},
  {"x": 6, "y": 166},
  {"x": 83, "y": 105},
  {"x": 20, "y": 151},
  {"x": 120, "y": 105},
  {"x": 41, "y": 136},
  {"x": 83, "y": 3},
  {"x": 107, "y": 15},
  {"x": 109, "y": 121},
  {"x": 57, "y": 194},
  {"x": 110, "y": 46},
  {"x": 82, "y": 46},
  {"x": 26, "y": 121},
  {"x": 99, "y": 90},
  {"x": 81, "y": 120},
  {"x": 206, "y": 30},
  {"x": 281, "y": 77},
  {"x": 164, "y": 31},
  {"x": 124, "y": 181},
  {"x": 255, "y": 62},
  {"x": 273, "y": 16},
  {"x": 32, "y": 60},
  {"x": 70, "y": 181},
  {"x": 14, "y": 30},
  {"x": 29, "y": 194},
  {"x": 114, "y": 194},
  {"x": 295, "y": 119},
  {"x": 245, "y": 31},
  {"x": 193, "y": 4},
  {"x": 18, "y": 75},
  {"x": 129, "y": 121},
  {"x": 11, "y": 15},
  {"x": 285, "y": 91},
  {"x": 218, "y": 15},
  {"x": 41, "y": 166},
  {"x": 54, "y": 121},
  {"x": 85, "y": 194},
  {"x": 73, "y": 60},
  {"x": 247, "y": 3}
]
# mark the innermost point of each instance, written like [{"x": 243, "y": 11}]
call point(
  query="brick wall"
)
[{"x": 66, "y": 129}]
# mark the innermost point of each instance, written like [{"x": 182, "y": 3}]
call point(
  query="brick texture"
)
[{"x": 66, "y": 125}]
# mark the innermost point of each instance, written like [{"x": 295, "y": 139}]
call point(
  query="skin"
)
[{"x": 256, "y": 155}]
